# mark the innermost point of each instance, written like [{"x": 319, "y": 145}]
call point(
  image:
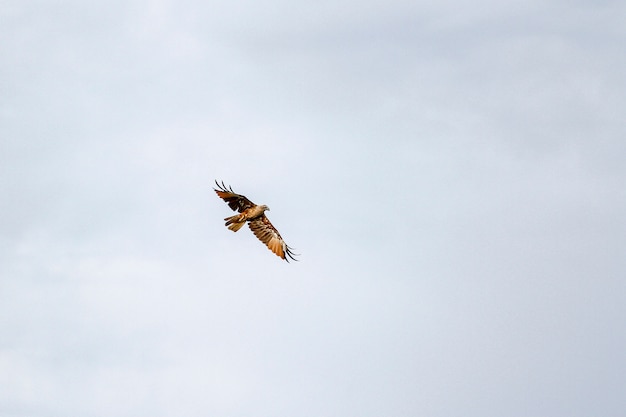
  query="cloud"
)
[{"x": 451, "y": 174}]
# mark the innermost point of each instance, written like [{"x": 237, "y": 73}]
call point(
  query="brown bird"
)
[{"x": 258, "y": 222}]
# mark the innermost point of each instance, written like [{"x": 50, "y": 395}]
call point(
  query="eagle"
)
[{"x": 258, "y": 222}]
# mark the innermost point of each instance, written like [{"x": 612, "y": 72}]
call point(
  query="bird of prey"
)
[{"x": 258, "y": 222}]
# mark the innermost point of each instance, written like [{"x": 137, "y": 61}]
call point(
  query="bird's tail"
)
[{"x": 235, "y": 222}]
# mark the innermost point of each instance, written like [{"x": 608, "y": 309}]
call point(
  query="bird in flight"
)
[{"x": 257, "y": 221}]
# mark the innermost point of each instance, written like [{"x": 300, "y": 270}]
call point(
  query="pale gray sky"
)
[{"x": 451, "y": 173}]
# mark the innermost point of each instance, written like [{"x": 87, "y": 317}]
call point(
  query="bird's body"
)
[
  {"x": 258, "y": 222},
  {"x": 235, "y": 222}
]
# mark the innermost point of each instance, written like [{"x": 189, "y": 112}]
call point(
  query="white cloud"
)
[{"x": 450, "y": 173}]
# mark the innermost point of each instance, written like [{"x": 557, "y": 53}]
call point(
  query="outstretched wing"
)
[
  {"x": 236, "y": 202},
  {"x": 267, "y": 233}
]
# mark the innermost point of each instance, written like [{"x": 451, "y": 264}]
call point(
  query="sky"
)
[{"x": 451, "y": 173}]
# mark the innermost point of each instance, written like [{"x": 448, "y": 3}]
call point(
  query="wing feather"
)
[
  {"x": 267, "y": 233},
  {"x": 236, "y": 202}
]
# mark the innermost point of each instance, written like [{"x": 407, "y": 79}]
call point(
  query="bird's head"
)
[{"x": 265, "y": 208}]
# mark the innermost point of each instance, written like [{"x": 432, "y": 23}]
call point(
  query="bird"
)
[{"x": 257, "y": 221}]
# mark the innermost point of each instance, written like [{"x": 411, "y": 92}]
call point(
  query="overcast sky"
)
[{"x": 453, "y": 174}]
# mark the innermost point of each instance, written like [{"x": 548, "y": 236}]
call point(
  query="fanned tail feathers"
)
[{"x": 235, "y": 222}]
